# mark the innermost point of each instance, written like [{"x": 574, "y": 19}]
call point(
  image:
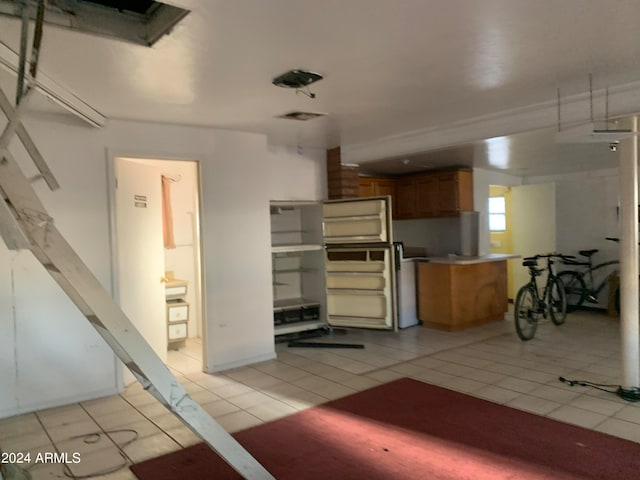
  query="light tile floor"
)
[{"x": 489, "y": 362}]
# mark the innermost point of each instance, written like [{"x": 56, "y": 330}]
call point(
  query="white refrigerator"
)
[{"x": 360, "y": 270}]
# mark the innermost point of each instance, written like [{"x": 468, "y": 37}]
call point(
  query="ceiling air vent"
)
[
  {"x": 301, "y": 116},
  {"x": 142, "y": 22}
]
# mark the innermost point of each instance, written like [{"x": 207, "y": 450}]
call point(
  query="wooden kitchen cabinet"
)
[
  {"x": 424, "y": 195},
  {"x": 366, "y": 187},
  {"x": 427, "y": 192},
  {"x": 434, "y": 194},
  {"x": 454, "y": 192},
  {"x": 377, "y": 187},
  {"x": 406, "y": 197}
]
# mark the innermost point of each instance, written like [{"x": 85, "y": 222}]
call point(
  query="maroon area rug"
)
[{"x": 408, "y": 430}]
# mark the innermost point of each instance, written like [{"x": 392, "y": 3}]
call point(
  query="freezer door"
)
[
  {"x": 361, "y": 287},
  {"x": 355, "y": 221}
]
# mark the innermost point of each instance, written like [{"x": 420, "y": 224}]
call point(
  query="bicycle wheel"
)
[
  {"x": 574, "y": 288},
  {"x": 557, "y": 301},
  {"x": 524, "y": 313}
]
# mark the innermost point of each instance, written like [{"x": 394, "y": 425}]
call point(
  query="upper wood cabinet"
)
[
  {"x": 366, "y": 186},
  {"x": 406, "y": 198},
  {"x": 434, "y": 194},
  {"x": 376, "y": 187},
  {"x": 443, "y": 193}
]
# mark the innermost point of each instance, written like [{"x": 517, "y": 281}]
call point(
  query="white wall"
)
[
  {"x": 54, "y": 355},
  {"x": 50, "y": 354},
  {"x": 439, "y": 236},
  {"x": 297, "y": 173},
  {"x": 586, "y": 212},
  {"x": 7, "y": 339}
]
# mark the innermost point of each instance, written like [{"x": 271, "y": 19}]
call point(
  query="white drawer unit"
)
[
  {"x": 177, "y": 311},
  {"x": 177, "y": 331},
  {"x": 175, "y": 289}
]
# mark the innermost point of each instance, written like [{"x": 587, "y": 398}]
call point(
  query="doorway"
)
[
  {"x": 157, "y": 242},
  {"x": 524, "y": 223},
  {"x": 501, "y": 229}
]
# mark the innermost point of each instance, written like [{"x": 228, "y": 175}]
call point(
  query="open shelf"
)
[
  {"x": 299, "y": 327},
  {"x": 297, "y": 269},
  {"x": 294, "y": 303},
  {"x": 295, "y": 248}
]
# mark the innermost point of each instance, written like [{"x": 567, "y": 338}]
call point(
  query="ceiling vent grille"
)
[{"x": 301, "y": 116}]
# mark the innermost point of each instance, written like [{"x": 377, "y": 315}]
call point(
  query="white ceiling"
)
[{"x": 393, "y": 69}]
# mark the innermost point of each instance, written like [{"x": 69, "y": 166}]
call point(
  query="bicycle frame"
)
[
  {"x": 530, "y": 304},
  {"x": 538, "y": 299},
  {"x": 551, "y": 277},
  {"x": 595, "y": 290},
  {"x": 545, "y": 298}
]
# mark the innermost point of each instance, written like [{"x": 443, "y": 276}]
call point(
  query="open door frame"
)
[{"x": 111, "y": 156}]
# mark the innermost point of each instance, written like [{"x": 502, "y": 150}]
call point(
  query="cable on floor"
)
[
  {"x": 629, "y": 394},
  {"x": 95, "y": 437}
]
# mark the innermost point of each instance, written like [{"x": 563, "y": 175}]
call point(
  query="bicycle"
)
[
  {"x": 530, "y": 305},
  {"x": 579, "y": 285}
]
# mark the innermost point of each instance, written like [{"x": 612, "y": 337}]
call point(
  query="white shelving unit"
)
[{"x": 297, "y": 262}]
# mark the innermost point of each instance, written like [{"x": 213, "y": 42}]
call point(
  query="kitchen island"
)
[{"x": 458, "y": 292}]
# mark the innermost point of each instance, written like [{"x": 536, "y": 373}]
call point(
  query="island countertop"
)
[
  {"x": 468, "y": 260},
  {"x": 462, "y": 292}
]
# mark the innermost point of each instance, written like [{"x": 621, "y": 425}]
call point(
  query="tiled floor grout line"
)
[
  {"x": 494, "y": 337},
  {"x": 64, "y": 466},
  {"x": 491, "y": 364},
  {"x": 128, "y": 460},
  {"x": 150, "y": 420}
]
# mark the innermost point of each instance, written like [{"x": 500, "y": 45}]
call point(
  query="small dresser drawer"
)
[
  {"x": 174, "y": 291},
  {"x": 177, "y": 311},
  {"x": 177, "y": 331}
]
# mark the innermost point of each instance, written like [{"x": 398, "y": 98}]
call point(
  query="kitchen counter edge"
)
[{"x": 465, "y": 260}]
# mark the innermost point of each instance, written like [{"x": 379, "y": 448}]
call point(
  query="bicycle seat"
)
[
  {"x": 529, "y": 263},
  {"x": 588, "y": 253}
]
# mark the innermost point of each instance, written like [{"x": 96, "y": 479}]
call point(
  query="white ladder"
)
[{"x": 25, "y": 224}]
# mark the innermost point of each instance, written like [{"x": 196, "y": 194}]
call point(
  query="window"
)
[{"x": 497, "y": 214}]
